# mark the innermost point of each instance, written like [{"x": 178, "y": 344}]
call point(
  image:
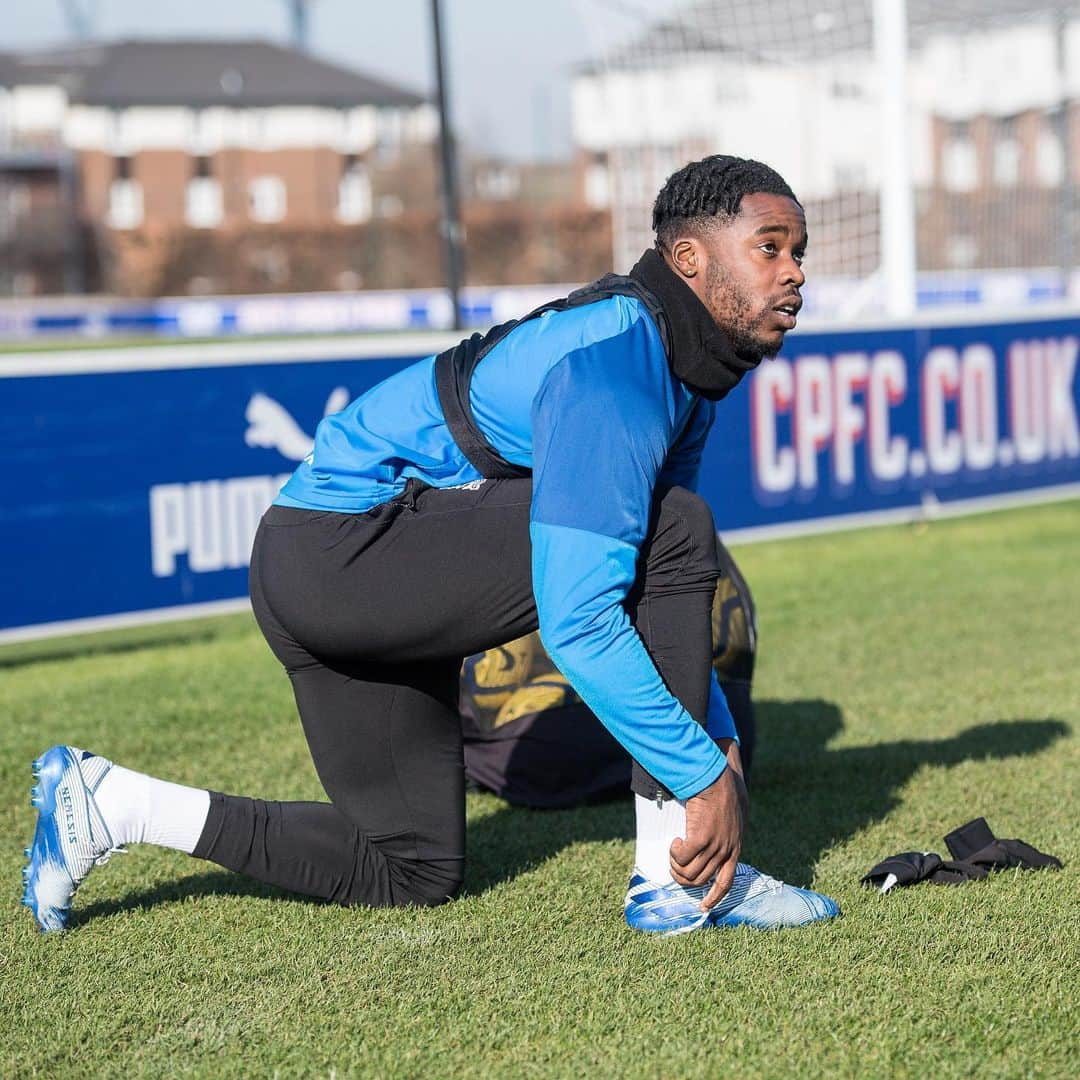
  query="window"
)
[
  {"x": 266, "y": 196},
  {"x": 354, "y": 193},
  {"x": 1049, "y": 159},
  {"x": 202, "y": 204},
  {"x": 125, "y": 197},
  {"x": 1007, "y": 153},
  {"x": 1007, "y": 162},
  {"x": 959, "y": 161},
  {"x": 597, "y": 185}
]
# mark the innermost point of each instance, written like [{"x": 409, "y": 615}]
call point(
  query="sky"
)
[{"x": 510, "y": 61}]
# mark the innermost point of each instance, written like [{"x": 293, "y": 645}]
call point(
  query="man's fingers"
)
[
  {"x": 724, "y": 877},
  {"x": 682, "y": 878},
  {"x": 714, "y": 821},
  {"x": 691, "y": 865}
]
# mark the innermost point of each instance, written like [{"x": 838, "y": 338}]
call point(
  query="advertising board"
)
[{"x": 135, "y": 478}]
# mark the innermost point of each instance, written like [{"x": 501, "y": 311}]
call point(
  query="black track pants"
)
[{"x": 371, "y": 615}]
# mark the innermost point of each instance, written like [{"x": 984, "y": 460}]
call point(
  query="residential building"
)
[
  {"x": 112, "y": 156},
  {"x": 994, "y": 111},
  {"x": 152, "y": 168}
]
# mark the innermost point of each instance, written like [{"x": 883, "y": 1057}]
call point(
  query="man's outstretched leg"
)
[
  {"x": 386, "y": 743},
  {"x": 389, "y": 756},
  {"x": 386, "y": 605}
]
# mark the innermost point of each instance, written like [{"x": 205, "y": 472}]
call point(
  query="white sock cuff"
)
[
  {"x": 657, "y": 828},
  {"x": 140, "y": 809}
]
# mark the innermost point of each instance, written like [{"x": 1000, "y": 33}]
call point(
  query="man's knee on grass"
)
[{"x": 420, "y": 884}]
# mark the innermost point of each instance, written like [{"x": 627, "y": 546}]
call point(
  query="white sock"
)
[
  {"x": 657, "y": 827},
  {"x": 141, "y": 810}
]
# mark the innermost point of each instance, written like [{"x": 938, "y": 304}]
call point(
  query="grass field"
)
[{"x": 909, "y": 679}]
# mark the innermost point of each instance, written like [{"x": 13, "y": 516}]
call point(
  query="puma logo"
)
[{"x": 270, "y": 424}]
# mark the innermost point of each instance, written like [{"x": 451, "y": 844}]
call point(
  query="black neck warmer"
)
[{"x": 702, "y": 355}]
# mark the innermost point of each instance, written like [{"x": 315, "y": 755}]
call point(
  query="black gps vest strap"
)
[
  {"x": 453, "y": 373},
  {"x": 455, "y": 366}
]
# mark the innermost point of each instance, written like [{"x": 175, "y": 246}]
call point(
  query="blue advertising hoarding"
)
[
  {"x": 863, "y": 422},
  {"x": 135, "y": 478}
]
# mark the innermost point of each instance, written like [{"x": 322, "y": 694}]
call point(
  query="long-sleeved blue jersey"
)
[{"x": 587, "y": 400}]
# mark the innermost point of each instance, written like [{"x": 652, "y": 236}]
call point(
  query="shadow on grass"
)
[
  {"x": 212, "y": 883},
  {"x": 514, "y": 840},
  {"x": 806, "y": 797}
]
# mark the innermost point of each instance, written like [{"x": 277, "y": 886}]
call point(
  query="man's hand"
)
[{"x": 715, "y": 819}]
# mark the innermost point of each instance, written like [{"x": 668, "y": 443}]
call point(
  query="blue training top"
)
[{"x": 589, "y": 388}]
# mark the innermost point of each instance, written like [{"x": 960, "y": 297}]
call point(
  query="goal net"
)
[{"x": 801, "y": 85}]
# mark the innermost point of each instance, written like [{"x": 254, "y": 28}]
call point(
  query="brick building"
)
[{"x": 148, "y": 168}]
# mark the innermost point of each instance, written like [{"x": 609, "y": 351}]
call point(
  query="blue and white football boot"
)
[
  {"x": 754, "y": 899},
  {"x": 71, "y": 836}
]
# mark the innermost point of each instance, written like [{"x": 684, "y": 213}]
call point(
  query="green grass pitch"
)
[{"x": 909, "y": 679}]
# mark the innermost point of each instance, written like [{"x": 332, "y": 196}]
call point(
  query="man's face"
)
[{"x": 753, "y": 273}]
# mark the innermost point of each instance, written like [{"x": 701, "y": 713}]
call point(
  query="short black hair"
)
[{"x": 711, "y": 188}]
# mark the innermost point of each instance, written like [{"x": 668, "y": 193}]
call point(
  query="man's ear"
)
[{"x": 687, "y": 256}]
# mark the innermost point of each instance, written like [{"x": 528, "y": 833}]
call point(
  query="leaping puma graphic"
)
[{"x": 270, "y": 424}]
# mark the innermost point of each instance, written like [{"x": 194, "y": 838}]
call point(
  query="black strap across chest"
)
[{"x": 455, "y": 366}]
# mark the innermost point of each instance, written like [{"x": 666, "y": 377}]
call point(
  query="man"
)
[{"x": 539, "y": 476}]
